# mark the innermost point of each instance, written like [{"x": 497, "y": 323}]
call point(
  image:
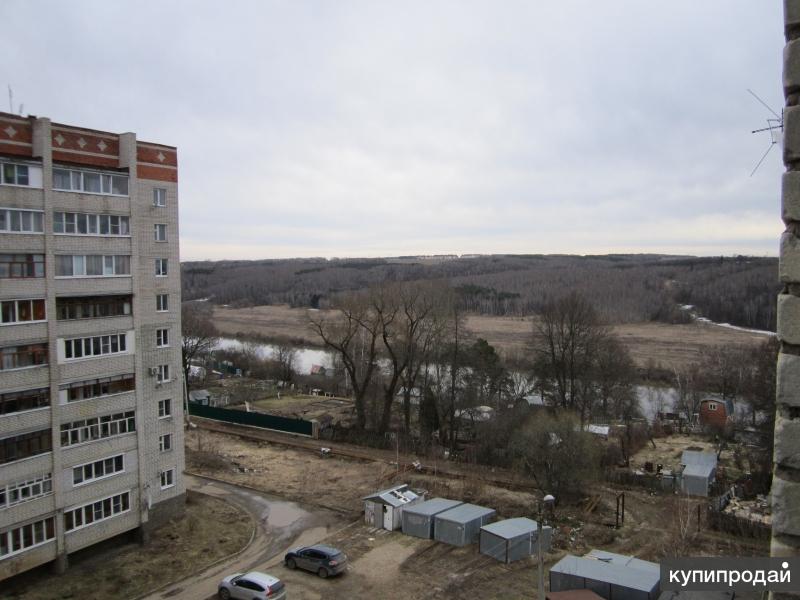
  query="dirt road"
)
[{"x": 280, "y": 525}]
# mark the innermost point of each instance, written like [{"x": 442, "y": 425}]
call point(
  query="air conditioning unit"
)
[{"x": 153, "y": 371}]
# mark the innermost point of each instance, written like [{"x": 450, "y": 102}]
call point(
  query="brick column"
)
[{"x": 786, "y": 474}]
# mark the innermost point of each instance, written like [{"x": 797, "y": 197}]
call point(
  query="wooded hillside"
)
[{"x": 624, "y": 288}]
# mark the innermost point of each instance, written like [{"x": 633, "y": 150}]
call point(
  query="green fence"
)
[{"x": 299, "y": 426}]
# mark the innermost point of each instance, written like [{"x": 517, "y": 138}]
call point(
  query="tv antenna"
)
[
  {"x": 774, "y": 126},
  {"x": 11, "y": 102}
]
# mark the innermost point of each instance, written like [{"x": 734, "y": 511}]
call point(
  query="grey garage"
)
[
  {"x": 461, "y": 525},
  {"x": 612, "y": 576},
  {"x": 513, "y": 539},
  {"x": 418, "y": 519}
]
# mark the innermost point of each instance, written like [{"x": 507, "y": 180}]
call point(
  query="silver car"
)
[{"x": 251, "y": 586}]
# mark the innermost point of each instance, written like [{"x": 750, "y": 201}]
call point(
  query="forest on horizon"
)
[{"x": 739, "y": 290}]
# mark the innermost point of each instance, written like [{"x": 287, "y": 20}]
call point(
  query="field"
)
[{"x": 659, "y": 344}]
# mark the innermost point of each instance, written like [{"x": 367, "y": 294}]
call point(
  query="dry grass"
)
[{"x": 659, "y": 344}]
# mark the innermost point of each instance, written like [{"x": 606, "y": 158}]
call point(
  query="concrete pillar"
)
[{"x": 60, "y": 564}]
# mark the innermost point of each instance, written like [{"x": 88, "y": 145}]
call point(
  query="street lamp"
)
[{"x": 546, "y": 502}]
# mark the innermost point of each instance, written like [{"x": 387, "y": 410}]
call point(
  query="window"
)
[
  {"x": 99, "y": 469},
  {"x": 93, "y": 307},
  {"x": 14, "y": 402},
  {"x": 161, "y": 267},
  {"x": 21, "y": 357},
  {"x": 167, "y": 479},
  {"x": 90, "y": 181},
  {"x": 90, "y": 224},
  {"x": 27, "y": 444},
  {"x": 160, "y": 230},
  {"x": 96, "y": 388},
  {"x": 21, "y": 266},
  {"x": 13, "y": 174},
  {"x": 164, "y": 408},
  {"x": 22, "y": 491},
  {"x": 88, "y": 430},
  {"x": 159, "y": 197},
  {"x": 27, "y": 536},
  {"x": 162, "y": 302},
  {"x": 21, "y": 221},
  {"x": 162, "y": 373},
  {"x": 22, "y": 311},
  {"x": 165, "y": 442},
  {"x": 98, "y": 345},
  {"x": 92, "y": 265},
  {"x": 93, "y": 512},
  {"x": 162, "y": 338},
  {"x": 712, "y": 406}
]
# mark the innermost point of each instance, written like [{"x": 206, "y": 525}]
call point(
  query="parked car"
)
[
  {"x": 251, "y": 586},
  {"x": 320, "y": 559}
]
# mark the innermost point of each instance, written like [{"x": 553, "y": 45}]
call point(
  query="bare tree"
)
[
  {"x": 199, "y": 336},
  {"x": 353, "y": 334},
  {"x": 285, "y": 357}
]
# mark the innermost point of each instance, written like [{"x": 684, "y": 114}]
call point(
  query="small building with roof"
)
[
  {"x": 611, "y": 576},
  {"x": 699, "y": 472},
  {"x": 513, "y": 539},
  {"x": 418, "y": 519},
  {"x": 384, "y": 509},
  {"x": 461, "y": 525}
]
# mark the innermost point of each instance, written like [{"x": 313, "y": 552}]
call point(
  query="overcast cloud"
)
[{"x": 385, "y": 128}]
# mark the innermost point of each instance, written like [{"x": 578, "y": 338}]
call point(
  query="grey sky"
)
[{"x": 384, "y": 128}]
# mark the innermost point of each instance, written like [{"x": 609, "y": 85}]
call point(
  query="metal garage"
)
[
  {"x": 418, "y": 519},
  {"x": 461, "y": 525},
  {"x": 384, "y": 509},
  {"x": 513, "y": 539},
  {"x": 699, "y": 472},
  {"x": 612, "y": 576}
]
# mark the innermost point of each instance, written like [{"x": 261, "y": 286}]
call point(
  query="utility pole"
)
[{"x": 547, "y": 501}]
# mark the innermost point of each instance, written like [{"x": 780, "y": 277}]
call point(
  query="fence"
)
[
  {"x": 653, "y": 482},
  {"x": 285, "y": 424},
  {"x": 730, "y": 523}
]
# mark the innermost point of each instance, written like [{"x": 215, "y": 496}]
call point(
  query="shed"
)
[
  {"x": 513, "y": 539},
  {"x": 611, "y": 576},
  {"x": 384, "y": 509},
  {"x": 699, "y": 471},
  {"x": 202, "y": 397},
  {"x": 418, "y": 519},
  {"x": 461, "y": 525}
]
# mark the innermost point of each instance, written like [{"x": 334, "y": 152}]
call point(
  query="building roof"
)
[
  {"x": 398, "y": 495},
  {"x": 199, "y": 394},
  {"x": 573, "y": 595},
  {"x": 696, "y": 457},
  {"x": 432, "y": 506},
  {"x": 611, "y": 570},
  {"x": 465, "y": 513},
  {"x": 705, "y": 471},
  {"x": 511, "y": 528},
  {"x": 624, "y": 560},
  {"x": 688, "y": 595}
]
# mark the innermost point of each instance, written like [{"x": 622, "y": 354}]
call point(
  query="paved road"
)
[{"x": 281, "y": 525}]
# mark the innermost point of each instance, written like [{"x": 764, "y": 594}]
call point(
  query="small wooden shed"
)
[{"x": 384, "y": 509}]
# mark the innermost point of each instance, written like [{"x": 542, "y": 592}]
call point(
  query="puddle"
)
[{"x": 283, "y": 514}]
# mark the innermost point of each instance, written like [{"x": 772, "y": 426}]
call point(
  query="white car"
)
[{"x": 251, "y": 586}]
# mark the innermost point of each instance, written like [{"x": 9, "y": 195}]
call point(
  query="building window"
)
[
  {"x": 25, "y": 445},
  {"x": 94, "y": 512},
  {"x": 162, "y": 373},
  {"x": 165, "y": 442},
  {"x": 91, "y": 182},
  {"x": 159, "y": 197},
  {"x": 21, "y": 357},
  {"x": 90, "y": 224},
  {"x": 162, "y": 302},
  {"x": 162, "y": 338},
  {"x": 161, "y": 267},
  {"x": 93, "y": 307},
  {"x": 26, "y": 537},
  {"x": 28, "y": 489},
  {"x": 14, "y": 402},
  {"x": 96, "y": 388},
  {"x": 21, "y": 221},
  {"x": 92, "y": 265},
  {"x": 97, "y": 428},
  {"x": 164, "y": 408},
  {"x": 167, "y": 479},
  {"x": 98, "y": 345},
  {"x": 16, "y": 174},
  {"x": 99, "y": 469},
  {"x": 22, "y": 311},
  {"x": 21, "y": 266},
  {"x": 160, "y": 231},
  {"x": 712, "y": 406}
]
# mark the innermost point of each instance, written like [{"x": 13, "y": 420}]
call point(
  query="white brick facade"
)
[{"x": 147, "y": 166}]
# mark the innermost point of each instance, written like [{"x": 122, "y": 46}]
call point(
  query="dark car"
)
[{"x": 320, "y": 559}]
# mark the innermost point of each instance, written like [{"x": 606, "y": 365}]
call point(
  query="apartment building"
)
[{"x": 91, "y": 436}]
